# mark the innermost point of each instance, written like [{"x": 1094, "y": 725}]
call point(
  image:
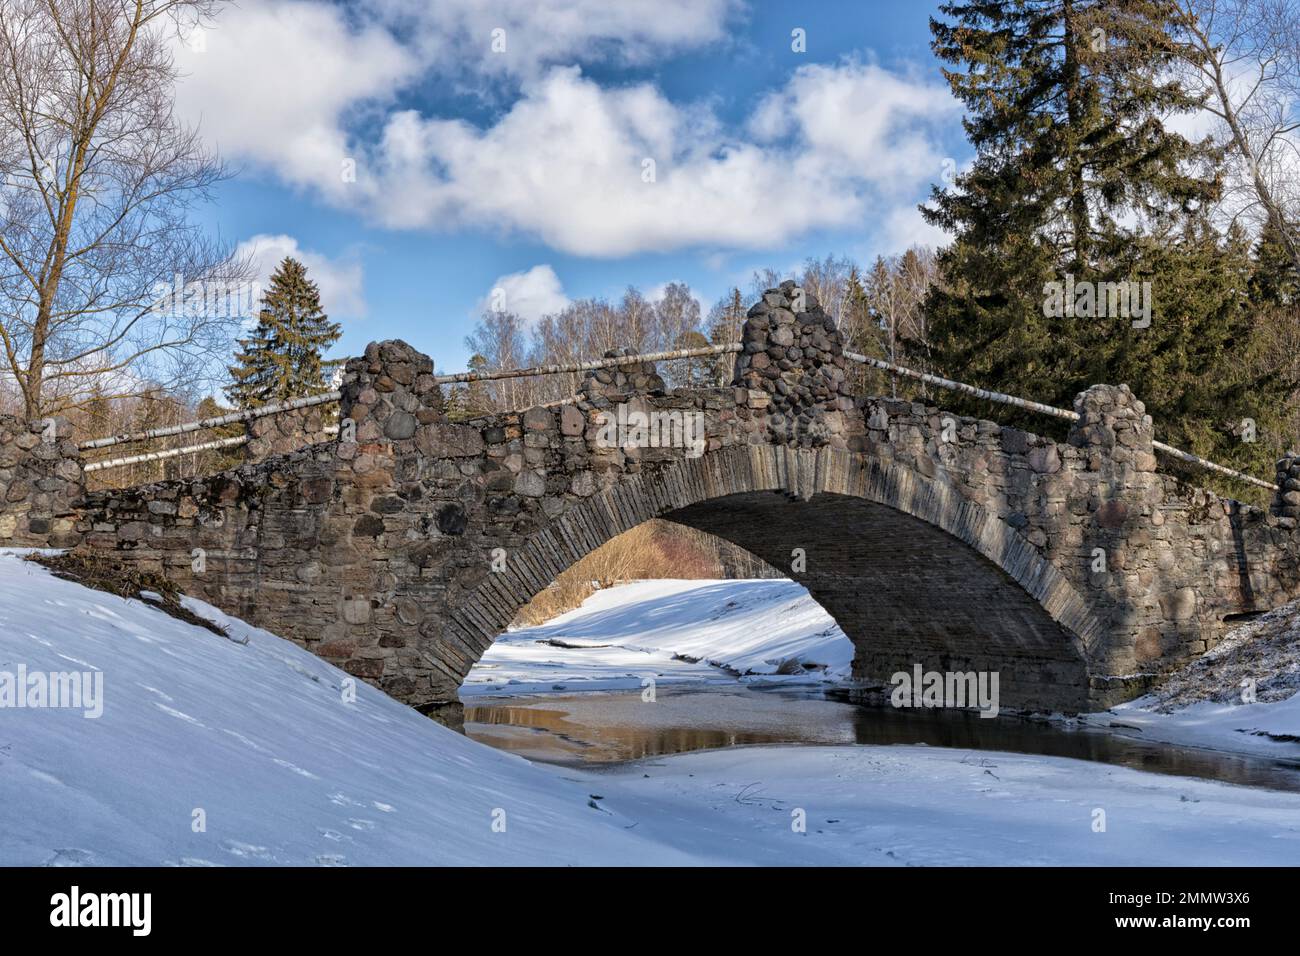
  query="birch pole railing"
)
[
  {"x": 1065, "y": 413},
  {"x": 165, "y": 453},
  {"x": 325, "y": 398}
]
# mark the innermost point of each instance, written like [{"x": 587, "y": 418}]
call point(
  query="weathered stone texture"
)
[
  {"x": 403, "y": 549},
  {"x": 1286, "y": 502},
  {"x": 792, "y": 350},
  {"x": 286, "y": 432},
  {"x": 40, "y": 479}
]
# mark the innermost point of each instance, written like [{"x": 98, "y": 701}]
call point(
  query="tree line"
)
[{"x": 878, "y": 309}]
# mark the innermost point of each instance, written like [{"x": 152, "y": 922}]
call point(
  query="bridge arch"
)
[{"x": 989, "y": 600}]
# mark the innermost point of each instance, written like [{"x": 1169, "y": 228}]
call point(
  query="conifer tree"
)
[
  {"x": 1076, "y": 175},
  {"x": 1274, "y": 280},
  {"x": 470, "y": 399},
  {"x": 283, "y": 356}
]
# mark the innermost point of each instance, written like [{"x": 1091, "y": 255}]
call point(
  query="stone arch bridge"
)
[{"x": 401, "y": 549}]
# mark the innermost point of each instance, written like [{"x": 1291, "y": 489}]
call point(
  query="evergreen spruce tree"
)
[
  {"x": 470, "y": 399},
  {"x": 282, "y": 358},
  {"x": 1064, "y": 101},
  {"x": 1274, "y": 280},
  {"x": 1077, "y": 177}
]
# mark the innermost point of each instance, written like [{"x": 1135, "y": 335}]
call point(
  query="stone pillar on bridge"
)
[
  {"x": 389, "y": 401},
  {"x": 1115, "y": 498},
  {"x": 40, "y": 480},
  {"x": 388, "y": 392},
  {"x": 793, "y": 351},
  {"x": 1286, "y": 501},
  {"x": 1115, "y": 431}
]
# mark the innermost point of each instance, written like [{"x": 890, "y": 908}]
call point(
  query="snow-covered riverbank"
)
[
  {"x": 919, "y": 806},
  {"x": 685, "y": 632},
  {"x": 1243, "y": 696},
  {"x": 673, "y": 632},
  {"x": 209, "y": 751}
]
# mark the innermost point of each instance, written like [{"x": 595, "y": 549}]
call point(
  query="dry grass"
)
[
  {"x": 101, "y": 572},
  {"x": 656, "y": 549}
]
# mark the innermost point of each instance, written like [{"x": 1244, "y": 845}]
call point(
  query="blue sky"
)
[{"x": 524, "y": 168}]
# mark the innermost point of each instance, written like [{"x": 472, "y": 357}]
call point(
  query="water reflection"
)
[{"x": 610, "y": 727}]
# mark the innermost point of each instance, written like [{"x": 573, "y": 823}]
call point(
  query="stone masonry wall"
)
[
  {"x": 1160, "y": 562},
  {"x": 401, "y": 553},
  {"x": 286, "y": 432},
  {"x": 40, "y": 479}
]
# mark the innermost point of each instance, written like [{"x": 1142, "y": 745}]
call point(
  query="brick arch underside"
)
[{"x": 912, "y": 572}]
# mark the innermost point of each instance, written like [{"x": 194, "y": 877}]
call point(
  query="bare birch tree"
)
[
  {"x": 98, "y": 179},
  {"x": 1244, "y": 58}
]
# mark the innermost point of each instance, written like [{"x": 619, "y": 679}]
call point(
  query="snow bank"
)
[
  {"x": 1202, "y": 703},
  {"x": 257, "y": 741},
  {"x": 673, "y": 631}
]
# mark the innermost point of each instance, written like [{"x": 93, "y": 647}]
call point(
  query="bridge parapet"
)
[
  {"x": 285, "y": 433},
  {"x": 609, "y": 386}
]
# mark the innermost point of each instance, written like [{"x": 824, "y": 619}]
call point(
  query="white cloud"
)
[
  {"x": 275, "y": 83},
  {"x": 457, "y": 36},
  {"x": 302, "y": 87},
  {"x": 529, "y": 295},
  {"x": 340, "y": 280},
  {"x": 568, "y": 163},
  {"x": 904, "y": 227},
  {"x": 862, "y": 117},
  {"x": 279, "y": 81}
]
